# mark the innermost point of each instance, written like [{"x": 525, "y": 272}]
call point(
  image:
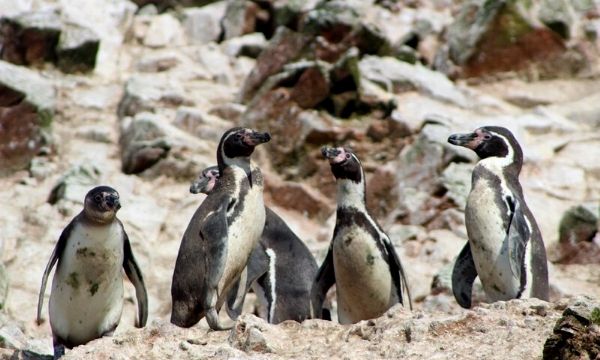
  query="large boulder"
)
[
  {"x": 491, "y": 36},
  {"x": 27, "y": 103}
]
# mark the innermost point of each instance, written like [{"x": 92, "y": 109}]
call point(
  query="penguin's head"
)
[
  {"x": 344, "y": 163},
  {"x": 101, "y": 204},
  {"x": 490, "y": 141},
  {"x": 206, "y": 181},
  {"x": 240, "y": 143}
]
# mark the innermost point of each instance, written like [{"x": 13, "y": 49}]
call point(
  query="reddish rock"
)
[
  {"x": 312, "y": 88},
  {"x": 299, "y": 197},
  {"x": 382, "y": 192},
  {"x": 285, "y": 46}
]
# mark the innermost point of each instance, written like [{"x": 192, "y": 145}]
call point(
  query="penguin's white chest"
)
[
  {"x": 363, "y": 279},
  {"x": 486, "y": 228},
  {"x": 244, "y": 233},
  {"x": 87, "y": 290}
]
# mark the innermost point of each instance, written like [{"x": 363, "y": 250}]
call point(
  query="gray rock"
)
[
  {"x": 578, "y": 224},
  {"x": 395, "y": 76},
  {"x": 164, "y": 30},
  {"x": 74, "y": 184},
  {"x": 203, "y": 25},
  {"x": 27, "y": 104},
  {"x": 456, "y": 178},
  {"x": 77, "y": 49},
  {"x": 143, "y": 143},
  {"x": 162, "y": 61},
  {"x": 150, "y": 144},
  {"x": 149, "y": 92},
  {"x": 240, "y": 18},
  {"x": 200, "y": 123},
  {"x": 250, "y": 45}
]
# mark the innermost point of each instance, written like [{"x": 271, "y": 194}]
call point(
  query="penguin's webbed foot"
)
[
  {"x": 212, "y": 317},
  {"x": 59, "y": 351}
]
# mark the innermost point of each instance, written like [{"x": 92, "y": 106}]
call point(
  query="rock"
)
[
  {"x": 578, "y": 224},
  {"x": 151, "y": 145},
  {"x": 284, "y": 47},
  {"x": 164, "y": 30},
  {"x": 290, "y": 13},
  {"x": 75, "y": 184},
  {"x": 240, "y": 18},
  {"x": 456, "y": 178},
  {"x": 496, "y": 36},
  {"x": 339, "y": 26},
  {"x": 162, "y": 61},
  {"x": 77, "y": 49},
  {"x": 312, "y": 86},
  {"x": 27, "y": 103},
  {"x": 4, "y": 282},
  {"x": 396, "y": 76},
  {"x": 203, "y": 25},
  {"x": 149, "y": 92},
  {"x": 217, "y": 63},
  {"x": 201, "y": 124},
  {"x": 576, "y": 334},
  {"x": 110, "y": 25},
  {"x": 299, "y": 197},
  {"x": 585, "y": 110},
  {"x": 143, "y": 143},
  {"x": 30, "y": 38},
  {"x": 250, "y": 45},
  {"x": 578, "y": 236},
  {"x": 247, "y": 335}
]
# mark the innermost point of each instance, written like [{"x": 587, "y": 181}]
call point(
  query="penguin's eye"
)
[
  {"x": 98, "y": 198},
  {"x": 238, "y": 136},
  {"x": 487, "y": 137},
  {"x": 347, "y": 156}
]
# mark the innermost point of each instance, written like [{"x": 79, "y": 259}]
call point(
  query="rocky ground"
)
[{"x": 392, "y": 79}]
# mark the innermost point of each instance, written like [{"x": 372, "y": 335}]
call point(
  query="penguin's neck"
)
[
  {"x": 238, "y": 166},
  {"x": 351, "y": 194}
]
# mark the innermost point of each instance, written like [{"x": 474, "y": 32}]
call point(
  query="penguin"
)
[
  {"x": 221, "y": 234},
  {"x": 86, "y": 300},
  {"x": 361, "y": 259},
  {"x": 505, "y": 247},
  {"x": 281, "y": 269}
]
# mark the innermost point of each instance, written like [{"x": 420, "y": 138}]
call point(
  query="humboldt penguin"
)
[
  {"x": 361, "y": 259},
  {"x": 281, "y": 269},
  {"x": 505, "y": 247},
  {"x": 221, "y": 235},
  {"x": 86, "y": 300}
]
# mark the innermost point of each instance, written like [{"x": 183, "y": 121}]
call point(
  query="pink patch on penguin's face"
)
[{"x": 342, "y": 156}]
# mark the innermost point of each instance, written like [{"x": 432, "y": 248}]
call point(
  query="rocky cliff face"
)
[{"x": 137, "y": 97}]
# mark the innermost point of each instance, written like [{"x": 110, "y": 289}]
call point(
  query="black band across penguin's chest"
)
[{"x": 348, "y": 218}]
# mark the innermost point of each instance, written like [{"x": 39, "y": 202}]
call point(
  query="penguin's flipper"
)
[
  {"x": 397, "y": 269},
  {"x": 214, "y": 233},
  {"x": 323, "y": 281},
  {"x": 200, "y": 262},
  {"x": 517, "y": 235},
  {"x": 257, "y": 266},
  {"x": 463, "y": 276},
  {"x": 135, "y": 276},
  {"x": 56, "y": 255}
]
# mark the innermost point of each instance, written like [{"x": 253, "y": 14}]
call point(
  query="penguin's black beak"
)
[
  {"x": 329, "y": 153},
  {"x": 462, "y": 139},
  {"x": 256, "y": 138},
  {"x": 199, "y": 185},
  {"x": 113, "y": 202}
]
